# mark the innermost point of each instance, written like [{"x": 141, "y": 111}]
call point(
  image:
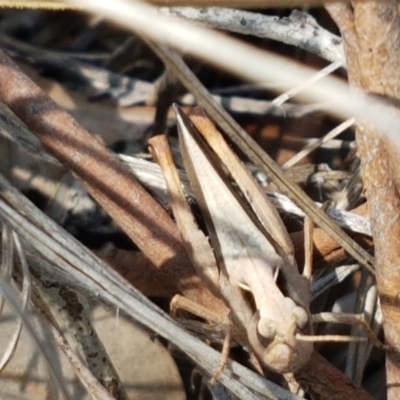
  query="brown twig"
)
[
  {"x": 325, "y": 249},
  {"x": 324, "y": 381},
  {"x": 139, "y": 271}
]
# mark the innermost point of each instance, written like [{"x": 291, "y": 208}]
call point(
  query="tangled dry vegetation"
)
[{"x": 196, "y": 204}]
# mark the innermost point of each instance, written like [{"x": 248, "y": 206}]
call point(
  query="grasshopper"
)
[{"x": 251, "y": 253}]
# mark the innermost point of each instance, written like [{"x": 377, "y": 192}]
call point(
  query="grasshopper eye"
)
[
  {"x": 266, "y": 328},
  {"x": 301, "y": 317}
]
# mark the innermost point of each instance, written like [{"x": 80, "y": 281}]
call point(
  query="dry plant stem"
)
[
  {"x": 373, "y": 315},
  {"x": 61, "y": 5},
  {"x": 46, "y": 350},
  {"x": 354, "y": 361},
  {"x": 71, "y": 309},
  {"x": 302, "y": 87},
  {"x": 325, "y": 249},
  {"x": 326, "y": 382},
  {"x": 91, "y": 384},
  {"x": 137, "y": 213},
  {"x": 26, "y": 288},
  {"x": 308, "y": 247},
  {"x": 344, "y": 219},
  {"x": 247, "y": 4},
  {"x": 7, "y": 259},
  {"x": 371, "y": 34},
  {"x": 317, "y": 143}
]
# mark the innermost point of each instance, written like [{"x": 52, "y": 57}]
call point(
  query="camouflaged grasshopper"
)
[{"x": 251, "y": 245}]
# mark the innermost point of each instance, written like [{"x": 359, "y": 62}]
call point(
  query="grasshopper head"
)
[{"x": 274, "y": 340}]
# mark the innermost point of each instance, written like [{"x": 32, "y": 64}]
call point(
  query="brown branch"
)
[
  {"x": 372, "y": 45},
  {"x": 139, "y": 271},
  {"x": 326, "y": 251},
  {"x": 324, "y": 381},
  {"x": 115, "y": 189}
]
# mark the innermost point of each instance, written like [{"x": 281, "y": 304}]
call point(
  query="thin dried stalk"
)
[
  {"x": 88, "y": 380},
  {"x": 65, "y": 306},
  {"x": 7, "y": 262},
  {"x": 61, "y": 5},
  {"x": 317, "y": 143},
  {"x": 47, "y": 351},
  {"x": 11, "y": 238}
]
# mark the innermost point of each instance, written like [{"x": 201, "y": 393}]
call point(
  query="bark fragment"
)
[{"x": 371, "y": 36}]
